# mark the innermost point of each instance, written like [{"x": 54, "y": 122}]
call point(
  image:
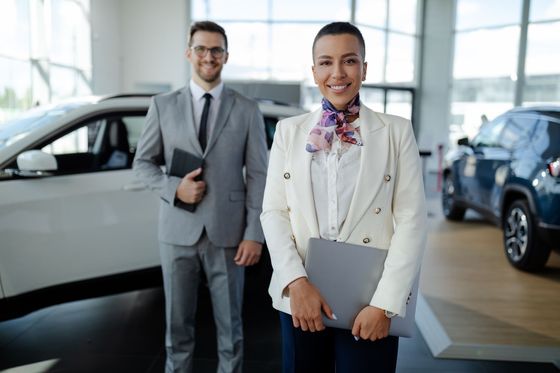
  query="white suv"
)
[{"x": 71, "y": 209}]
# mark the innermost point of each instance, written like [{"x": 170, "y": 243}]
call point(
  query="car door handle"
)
[{"x": 134, "y": 187}]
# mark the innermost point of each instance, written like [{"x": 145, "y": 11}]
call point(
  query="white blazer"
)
[{"x": 387, "y": 210}]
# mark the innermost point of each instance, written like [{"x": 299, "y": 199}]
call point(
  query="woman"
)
[{"x": 348, "y": 174}]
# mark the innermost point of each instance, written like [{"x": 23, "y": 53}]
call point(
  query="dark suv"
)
[{"x": 510, "y": 173}]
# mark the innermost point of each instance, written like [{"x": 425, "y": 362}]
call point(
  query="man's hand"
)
[
  {"x": 189, "y": 190},
  {"x": 248, "y": 253},
  {"x": 306, "y": 304},
  {"x": 371, "y": 323}
]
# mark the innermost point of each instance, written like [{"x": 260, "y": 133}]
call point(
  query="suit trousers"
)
[
  {"x": 181, "y": 267},
  {"x": 334, "y": 350}
]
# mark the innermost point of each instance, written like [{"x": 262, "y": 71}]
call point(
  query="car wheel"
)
[
  {"x": 522, "y": 245},
  {"x": 448, "y": 203}
]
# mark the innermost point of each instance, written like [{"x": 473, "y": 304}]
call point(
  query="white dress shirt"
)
[
  {"x": 197, "y": 93},
  {"x": 333, "y": 178}
]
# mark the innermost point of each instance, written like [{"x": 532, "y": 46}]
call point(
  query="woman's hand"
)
[
  {"x": 306, "y": 304},
  {"x": 371, "y": 323}
]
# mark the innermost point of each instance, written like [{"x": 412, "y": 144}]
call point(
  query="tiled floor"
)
[{"x": 124, "y": 333}]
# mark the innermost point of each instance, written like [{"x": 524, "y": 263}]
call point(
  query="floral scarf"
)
[{"x": 334, "y": 121}]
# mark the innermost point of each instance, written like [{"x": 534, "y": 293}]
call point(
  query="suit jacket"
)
[
  {"x": 387, "y": 210},
  {"x": 231, "y": 207}
]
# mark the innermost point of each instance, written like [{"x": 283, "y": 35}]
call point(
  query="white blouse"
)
[{"x": 333, "y": 178}]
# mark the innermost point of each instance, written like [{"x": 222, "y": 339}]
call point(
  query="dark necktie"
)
[{"x": 203, "y": 130}]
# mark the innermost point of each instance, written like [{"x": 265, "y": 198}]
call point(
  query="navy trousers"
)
[{"x": 333, "y": 350}]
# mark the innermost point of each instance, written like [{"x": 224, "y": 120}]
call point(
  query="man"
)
[{"x": 222, "y": 233}]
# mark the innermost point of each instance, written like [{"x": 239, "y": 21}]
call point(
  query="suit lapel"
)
[
  {"x": 373, "y": 162},
  {"x": 184, "y": 105},
  {"x": 301, "y": 167},
  {"x": 223, "y": 114}
]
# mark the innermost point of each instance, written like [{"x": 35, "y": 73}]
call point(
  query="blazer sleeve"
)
[
  {"x": 150, "y": 157},
  {"x": 410, "y": 221},
  {"x": 275, "y": 219},
  {"x": 255, "y": 166}
]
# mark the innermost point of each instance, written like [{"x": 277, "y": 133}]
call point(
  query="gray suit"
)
[{"x": 208, "y": 237}]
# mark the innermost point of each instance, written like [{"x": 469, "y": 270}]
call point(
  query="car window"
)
[
  {"x": 546, "y": 140},
  {"x": 35, "y": 118},
  {"x": 490, "y": 133},
  {"x": 134, "y": 126},
  {"x": 81, "y": 140},
  {"x": 517, "y": 132},
  {"x": 100, "y": 144}
]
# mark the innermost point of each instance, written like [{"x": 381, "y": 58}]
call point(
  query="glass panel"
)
[
  {"x": 229, "y": 10},
  {"x": 70, "y": 39},
  {"x": 402, "y": 16},
  {"x": 310, "y": 10},
  {"x": 64, "y": 82},
  {"x": 14, "y": 28},
  {"x": 400, "y": 61},
  {"x": 15, "y": 87},
  {"x": 399, "y": 103},
  {"x": 476, "y": 54},
  {"x": 467, "y": 116},
  {"x": 291, "y": 57},
  {"x": 371, "y": 12},
  {"x": 375, "y": 54},
  {"x": 484, "y": 13},
  {"x": 542, "y": 10},
  {"x": 542, "y": 64},
  {"x": 374, "y": 98},
  {"x": 542, "y": 90},
  {"x": 311, "y": 97},
  {"x": 40, "y": 85},
  {"x": 248, "y": 51}
]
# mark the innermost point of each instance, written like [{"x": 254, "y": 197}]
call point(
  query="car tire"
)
[
  {"x": 449, "y": 205},
  {"x": 523, "y": 247}
]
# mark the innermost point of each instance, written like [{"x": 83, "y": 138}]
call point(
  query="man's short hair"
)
[
  {"x": 338, "y": 28},
  {"x": 207, "y": 26}
]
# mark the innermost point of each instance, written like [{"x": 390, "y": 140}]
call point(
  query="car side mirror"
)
[
  {"x": 35, "y": 163},
  {"x": 464, "y": 141}
]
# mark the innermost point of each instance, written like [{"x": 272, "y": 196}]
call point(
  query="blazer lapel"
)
[
  {"x": 184, "y": 105},
  {"x": 223, "y": 114},
  {"x": 301, "y": 168},
  {"x": 373, "y": 162}
]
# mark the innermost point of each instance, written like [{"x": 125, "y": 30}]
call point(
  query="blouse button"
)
[
  {"x": 287, "y": 175},
  {"x": 293, "y": 237},
  {"x": 387, "y": 178},
  {"x": 366, "y": 240},
  {"x": 377, "y": 210},
  {"x": 288, "y": 208}
]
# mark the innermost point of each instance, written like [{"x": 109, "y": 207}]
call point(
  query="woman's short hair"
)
[
  {"x": 337, "y": 28},
  {"x": 207, "y": 26}
]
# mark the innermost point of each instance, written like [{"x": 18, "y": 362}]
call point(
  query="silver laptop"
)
[{"x": 347, "y": 276}]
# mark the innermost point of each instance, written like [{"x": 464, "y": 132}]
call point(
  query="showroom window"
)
[
  {"x": 45, "y": 53},
  {"x": 524, "y": 70},
  {"x": 389, "y": 28},
  {"x": 542, "y": 65}
]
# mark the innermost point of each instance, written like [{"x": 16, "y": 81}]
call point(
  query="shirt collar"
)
[{"x": 197, "y": 91}]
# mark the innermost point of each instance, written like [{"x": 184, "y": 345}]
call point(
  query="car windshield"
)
[{"x": 30, "y": 120}]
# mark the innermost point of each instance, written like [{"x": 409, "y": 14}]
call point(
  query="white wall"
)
[
  {"x": 437, "y": 70},
  {"x": 138, "y": 45}
]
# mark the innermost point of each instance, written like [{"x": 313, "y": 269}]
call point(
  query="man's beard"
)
[{"x": 210, "y": 78}]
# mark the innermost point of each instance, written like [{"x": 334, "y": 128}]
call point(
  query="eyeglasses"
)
[{"x": 201, "y": 50}]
